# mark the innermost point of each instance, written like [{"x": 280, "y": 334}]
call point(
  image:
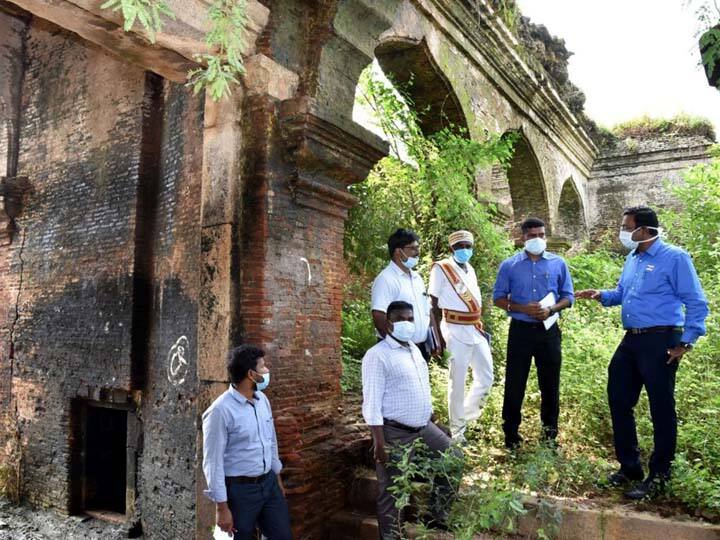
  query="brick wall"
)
[
  {"x": 293, "y": 309},
  {"x": 169, "y": 412},
  {"x": 106, "y": 269},
  {"x": 79, "y": 145}
]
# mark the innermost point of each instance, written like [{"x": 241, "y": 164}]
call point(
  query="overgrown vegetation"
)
[
  {"x": 493, "y": 478},
  {"x": 708, "y": 16},
  {"x": 221, "y": 67},
  {"x": 677, "y": 126}
]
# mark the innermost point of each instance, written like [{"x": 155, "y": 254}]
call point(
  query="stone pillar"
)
[{"x": 300, "y": 163}]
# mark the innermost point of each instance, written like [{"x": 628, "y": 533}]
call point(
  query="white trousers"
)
[{"x": 462, "y": 408}]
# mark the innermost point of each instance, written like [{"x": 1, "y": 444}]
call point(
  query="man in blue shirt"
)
[
  {"x": 657, "y": 281},
  {"x": 522, "y": 282},
  {"x": 240, "y": 453}
]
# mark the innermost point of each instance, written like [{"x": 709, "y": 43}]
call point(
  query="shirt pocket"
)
[
  {"x": 652, "y": 279},
  {"x": 268, "y": 428}
]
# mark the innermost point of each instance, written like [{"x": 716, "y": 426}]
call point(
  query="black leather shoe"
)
[
  {"x": 513, "y": 443},
  {"x": 622, "y": 477},
  {"x": 649, "y": 488}
]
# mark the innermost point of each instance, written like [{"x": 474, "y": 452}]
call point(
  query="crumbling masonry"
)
[{"x": 145, "y": 229}]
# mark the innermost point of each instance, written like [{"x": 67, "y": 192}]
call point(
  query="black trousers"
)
[
  {"x": 525, "y": 341},
  {"x": 641, "y": 360}
]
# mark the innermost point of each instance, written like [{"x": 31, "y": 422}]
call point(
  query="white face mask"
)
[
  {"x": 629, "y": 243},
  {"x": 535, "y": 246},
  {"x": 403, "y": 330}
]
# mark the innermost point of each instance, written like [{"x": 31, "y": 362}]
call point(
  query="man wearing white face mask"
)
[
  {"x": 397, "y": 406},
  {"x": 240, "y": 453},
  {"x": 456, "y": 300},
  {"x": 523, "y": 282},
  {"x": 398, "y": 281},
  {"x": 658, "y": 280}
]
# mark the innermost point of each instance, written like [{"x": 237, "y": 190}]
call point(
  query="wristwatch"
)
[
  {"x": 687, "y": 346},
  {"x": 551, "y": 310}
]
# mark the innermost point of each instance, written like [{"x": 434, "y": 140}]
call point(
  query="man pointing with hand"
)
[{"x": 657, "y": 281}]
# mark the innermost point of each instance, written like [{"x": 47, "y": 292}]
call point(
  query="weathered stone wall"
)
[
  {"x": 106, "y": 272},
  {"x": 636, "y": 172},
  {"x": 169, "y": 411},
  {"x": 73, "y": 256}
]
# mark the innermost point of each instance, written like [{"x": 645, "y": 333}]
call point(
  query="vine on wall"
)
[{"x": 219, "y": 69}]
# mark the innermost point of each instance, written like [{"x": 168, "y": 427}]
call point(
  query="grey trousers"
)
[{"x": 390, "y": 519}]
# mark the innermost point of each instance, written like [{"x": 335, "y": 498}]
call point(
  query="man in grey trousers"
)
[{"x": 397, "y": 407}]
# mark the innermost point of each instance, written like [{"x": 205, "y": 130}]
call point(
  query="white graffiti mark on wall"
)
[
  {"x": 177, "y": 363},
  {"x": 307, "y": 263}
]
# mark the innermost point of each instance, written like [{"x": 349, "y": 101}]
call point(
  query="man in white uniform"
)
[
  {"x": 399, "y": 282},
  {"x": 457, "y": 301}
]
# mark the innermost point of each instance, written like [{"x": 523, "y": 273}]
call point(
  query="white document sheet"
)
[{"x": 546, "y": 302}]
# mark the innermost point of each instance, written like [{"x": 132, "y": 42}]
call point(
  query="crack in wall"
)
[{"x": 13, "y": 399}]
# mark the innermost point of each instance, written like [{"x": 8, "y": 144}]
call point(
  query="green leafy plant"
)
[
  {"x": 224, "y": 65},
  {"x": 710, "y": 50},
  {"x": 148, "y": 13}
]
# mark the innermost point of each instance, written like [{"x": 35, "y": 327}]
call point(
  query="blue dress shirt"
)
[
  {"x": 238, "y": 440},
  {"x": 524, "y": 281},
  {"x": 653, "y": 288}
]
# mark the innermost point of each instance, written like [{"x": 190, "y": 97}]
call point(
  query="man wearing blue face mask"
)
[
  {"x": 397, "y": 406},
  {"x": 240, "y": 453},
  {"x": 532, "y": 286},
  {"x": 658, "y": 280},
  {"x": 398, "y": 281},
  {"x": 456, "y": 300}
]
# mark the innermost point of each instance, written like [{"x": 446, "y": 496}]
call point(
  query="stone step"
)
[{"x": 580, "y": 520}]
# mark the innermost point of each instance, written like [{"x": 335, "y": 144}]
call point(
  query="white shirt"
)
[
  {"x": 394, "y": 284},
  {"x": 444, "y": 291},
  {"x": 396, "y": 385}
]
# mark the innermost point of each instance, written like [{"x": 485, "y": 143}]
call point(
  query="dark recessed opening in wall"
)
[{"x": 104, "y": 459}]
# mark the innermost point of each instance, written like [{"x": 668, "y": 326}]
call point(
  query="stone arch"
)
[
  {"x": 528, "y": 193},
  {"x": 571, "y": 213},
  {"x": 409, "y": 63}
]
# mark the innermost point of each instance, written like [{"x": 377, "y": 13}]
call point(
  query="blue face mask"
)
[
  {"x": 265, "y": 382},
  {"x": 463, "y": 255},
  {"x": 403, "y": 330},
  {"x": 410, "y": 262}
]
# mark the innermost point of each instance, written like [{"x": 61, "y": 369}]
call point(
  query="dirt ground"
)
[{"x": 27, "y": 523}]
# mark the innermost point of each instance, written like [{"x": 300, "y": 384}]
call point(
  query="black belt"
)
[
  {"x": 537, "y": 325},
  {"x": 398, "y": 425},
  {"x": 655, "y": 330},
  {"x": 246, "y": 479}
]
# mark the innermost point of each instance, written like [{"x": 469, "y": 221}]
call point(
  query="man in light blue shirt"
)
[
  {"x": 240, "y": 453},
  {"x": 523, "y": 280},
  {"x": 658, "y": 280}
]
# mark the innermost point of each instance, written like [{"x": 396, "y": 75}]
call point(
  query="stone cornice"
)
[
  {"x": 483, "y": 31},
  {"x": 329, "y": 154},
  {"x": 673, "y": 158}
]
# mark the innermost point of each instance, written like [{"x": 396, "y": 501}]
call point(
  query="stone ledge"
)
[{"x": 171, "y": 56}]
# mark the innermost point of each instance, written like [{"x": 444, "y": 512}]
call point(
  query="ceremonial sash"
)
[{"x": 473, "y": 316}]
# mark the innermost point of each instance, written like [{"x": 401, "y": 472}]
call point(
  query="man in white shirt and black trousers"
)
[{"x": 397, "y": 406}]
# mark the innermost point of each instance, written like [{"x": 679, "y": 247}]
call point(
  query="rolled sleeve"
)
[
  {"x": 383, "y": 293},
  {"x": 502, "y": 282},
  {"x": 373, "y": 382},
  {"x": 566, "y": 289},
  {"x": 214, "y": 443},
  {"x": 689, "y": 290}
]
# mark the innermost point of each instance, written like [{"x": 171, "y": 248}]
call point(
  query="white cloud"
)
[{"x": 632, "y": 57}]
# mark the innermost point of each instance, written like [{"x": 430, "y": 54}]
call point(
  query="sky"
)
[{"x": 632, "y": 57}]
